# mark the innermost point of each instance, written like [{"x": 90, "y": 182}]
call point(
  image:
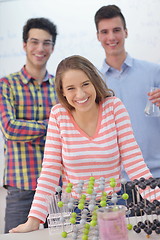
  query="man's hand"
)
[{"x": 154, "y": 96}]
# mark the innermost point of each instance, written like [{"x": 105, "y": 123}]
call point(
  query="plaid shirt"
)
[{"x": 24, "y": 111}]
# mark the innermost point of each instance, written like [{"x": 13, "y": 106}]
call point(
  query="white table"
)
[{"x": 43, "y": 234}]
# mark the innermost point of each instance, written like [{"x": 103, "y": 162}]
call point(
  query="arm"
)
[
  {"x": 154, "y": 96},
  {"x": 130, "y": 153},
  {"x": 17, "y": 129},
  {"x": 51, "y": 170},
  {"x": 48, "y": 180}
]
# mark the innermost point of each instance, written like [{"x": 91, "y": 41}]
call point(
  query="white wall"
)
[{"x": 77, "y": 33}]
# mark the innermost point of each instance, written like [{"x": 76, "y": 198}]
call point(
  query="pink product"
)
[{"x": 112, "y": 224}]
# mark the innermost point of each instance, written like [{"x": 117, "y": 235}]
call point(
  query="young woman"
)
[{"x": 89, "y": 134}]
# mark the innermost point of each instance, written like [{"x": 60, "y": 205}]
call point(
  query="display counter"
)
[{"x": 43, "y": 234}]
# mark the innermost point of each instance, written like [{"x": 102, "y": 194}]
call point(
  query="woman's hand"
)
[{"x": 32, "y": 224}]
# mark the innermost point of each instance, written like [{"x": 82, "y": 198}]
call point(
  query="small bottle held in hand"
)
[{"x": 151, "y": 109}]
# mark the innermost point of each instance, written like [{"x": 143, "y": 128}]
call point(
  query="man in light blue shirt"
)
[{"x": 131, "y": 80}]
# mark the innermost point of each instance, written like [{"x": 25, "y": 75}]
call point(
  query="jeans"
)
[{"x": 18, "y": 203}]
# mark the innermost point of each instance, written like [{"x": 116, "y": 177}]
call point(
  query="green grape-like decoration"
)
[
  {"x": 93, "y": 223},
  {"x": 74, "y": 214},
  {"x": 68, "y": 189},
  {"x": 112, "y": 180},
  {"x": 89, "y": 190},
  {"x": 92, "y": 179},
  {"x": 73, "y": 220},
  {"x": 84, "y": 237},
  {"x": 125, "y": 196},
  {"x": 81, "y": 206},
  {"x": 60, "y": 204},
  {"x": 129, "y": 226},
  {"x": 112, "y": 184},
  {"x": 103, "y": 203},
  {"x": 64, "y": 234}
]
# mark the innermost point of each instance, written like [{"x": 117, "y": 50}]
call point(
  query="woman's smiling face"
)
[{"x": 78, "y": 90}]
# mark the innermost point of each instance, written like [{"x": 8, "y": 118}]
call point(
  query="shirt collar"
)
[
  {"x": 26, "y": 77},
  {"x": 127, "y": 62}
]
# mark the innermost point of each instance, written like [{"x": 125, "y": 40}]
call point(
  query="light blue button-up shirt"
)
[{"x": 131, "y": 84}]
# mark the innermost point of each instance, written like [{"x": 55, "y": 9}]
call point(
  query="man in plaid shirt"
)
[{"x": 26, "y": 98}]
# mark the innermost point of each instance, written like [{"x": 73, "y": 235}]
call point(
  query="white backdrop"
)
[{"x": 76, "y": 31}]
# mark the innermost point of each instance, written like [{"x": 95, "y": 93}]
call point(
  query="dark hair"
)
[
  {"x": 80, "y": 63},
  {"x": 107, "y": 12},
  {"x": 40, "y": 23}
]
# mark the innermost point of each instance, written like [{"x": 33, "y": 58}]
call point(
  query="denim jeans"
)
[{"x": 18, "y": 203}]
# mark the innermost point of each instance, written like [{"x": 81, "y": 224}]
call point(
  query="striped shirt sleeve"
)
[
  {"x": 51, "y": 170},
  {"x": 130, "y": 152}
]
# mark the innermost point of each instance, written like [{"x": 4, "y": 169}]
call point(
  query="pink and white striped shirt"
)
[{"x": 70, "y": 152}]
